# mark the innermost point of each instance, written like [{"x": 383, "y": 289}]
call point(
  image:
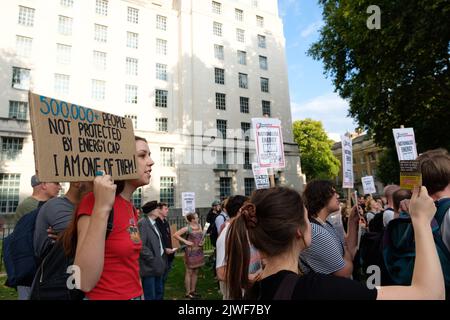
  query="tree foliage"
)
[
  {"x": 396, "y": 75},
  {"x": 317, "y": 160}
]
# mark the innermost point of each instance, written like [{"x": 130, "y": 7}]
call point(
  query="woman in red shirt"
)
[{"x": 109, "y": 266}]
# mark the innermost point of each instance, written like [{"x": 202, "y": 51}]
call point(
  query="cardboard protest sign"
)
[
  {"x": 261, "y": 177},
  {"x": 405, "y": 143},
  {"x": 410, "y": 175},
  {"x": 187, "y": 202},
  {"x": 72, "y": 143},
  {"x": 269, "y": 142},
  {"x": 368, "y": 185},
  {"x": 347, "y": 162}
]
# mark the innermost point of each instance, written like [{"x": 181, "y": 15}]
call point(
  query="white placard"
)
[
  {"x": 347, "y": 162},
  {"x": 269, "y": 142},
  {"x": 261, "y": 177},
  {"x": 187, "y": 202},
  {"x": 368, "y": 185},
  {"x": 405, "y": 142}
]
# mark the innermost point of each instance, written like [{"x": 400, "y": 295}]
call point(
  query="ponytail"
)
[{"x": 237, "y": 257}]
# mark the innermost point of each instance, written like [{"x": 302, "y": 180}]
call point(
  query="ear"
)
[{"x": 298, "y": 233}]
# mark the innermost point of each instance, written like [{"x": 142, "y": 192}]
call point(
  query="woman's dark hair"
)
[
  {"x": 271, "y": 228},
  {"x": 190, "y": 216},
  {"x": 234, "y": 203},
  {"x": 317, "y": 194},
  {"x": 69, "y": 237}
]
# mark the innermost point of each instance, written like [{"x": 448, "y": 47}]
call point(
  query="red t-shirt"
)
[{"x": 120, "y": 277}]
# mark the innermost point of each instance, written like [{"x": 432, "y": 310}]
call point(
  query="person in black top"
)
[
  {"x": 164, "y": 228},
  {"x": 276, "y": 222}
]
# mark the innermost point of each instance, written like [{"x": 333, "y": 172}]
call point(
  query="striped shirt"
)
[{"x": 326, "y": 253}]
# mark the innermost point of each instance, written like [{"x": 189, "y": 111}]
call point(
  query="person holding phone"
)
[{"x": 329, "y": 252}]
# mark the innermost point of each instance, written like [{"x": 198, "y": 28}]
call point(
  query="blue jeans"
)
[
  {"x": 165, "y": 276},
  {"x": 153, "y": 288}
]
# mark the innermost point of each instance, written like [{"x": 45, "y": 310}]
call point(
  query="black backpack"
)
[{"x": 52, "y": 277}]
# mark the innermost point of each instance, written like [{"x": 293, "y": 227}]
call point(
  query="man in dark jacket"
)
[
  {"x": 153, "y": 259},
  {"x": 164, "y": 228}
]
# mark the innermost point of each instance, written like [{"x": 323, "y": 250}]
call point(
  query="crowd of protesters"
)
[{"x": 276, "y": 244}]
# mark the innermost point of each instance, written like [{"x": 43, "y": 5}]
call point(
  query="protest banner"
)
[
  {"x": 187, "y": 202},
  {"x": 368, "y": 185},
  {"x": 261, "y": 177},
  {"x": 405, "y": 143},
  {"x": 410, "y": 175},
  {"x": 269, "y": 142},
  {"x": 73, "y": 143},
  {"x": 347, "y": 162}
]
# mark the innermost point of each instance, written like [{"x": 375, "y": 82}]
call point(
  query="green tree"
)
[
  {"x": 396, "y": 75},
  {"x": 317, "y": 160}
]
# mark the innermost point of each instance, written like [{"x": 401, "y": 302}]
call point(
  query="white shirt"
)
[
  {"x": 388, "y": 215},
  {"x": 220, "y": 246},
  {"x": 153, "y": 223}
]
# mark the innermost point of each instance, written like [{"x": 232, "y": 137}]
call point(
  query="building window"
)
[
  {"x": 221, "y": 128},
  {"x": 161, "y": 47},
  {"x": 264, "y": 85},
  {"x": 255, "y": 3},
  {"x": 220, "y": 101},
  {"x": 161, "y": 71},
  {"x": 240, "y": 35},
  {"x": 62, "y": 84},
  {"x": 9, "y": 192},
  {"x": 63, "y": 53},
  {"x": 243, "y": 102},
  {"x": 247, "y": 164},
  {"x": 133, "y": 118},
  {"x": 131, "y": 94},
  {"x": 161, "y": 22},
  {"x": 217, "y": 29},
  {"x": 260, "y": 21},
  {"x": 261, "y": 41},
  {"x": 161, "y": 124},
  {"x": 21, "y": 78},
  {"x": 18, "y": 110},
  {"x": 23, "y": 46},
  {"x": 161, "y": 98},
  {"x": 218, "y": 52},
  {"x": 99, "y": 59},
  {"x": 362, "y": 159},
  {"x": 65, "y": 25},
  {"x": 100, "y": 33},
  {"x": 243, "y": 80},
  {"x": 225, "y": 188},
  {"x": 266, "y": 108},
  {"x": 245, "y": 127},
  {"x": 242, "y": 57},
  {"x": 131, "y": 66},
  {"x": 239, "y": 14},
  {"x": 132, "y": 40},
  {"x": 66, "y": 3},
  {"x": 167, "y": 190},
  {"x": 26, "y": 16},
  {"x": 167, "y": 157},
  {"x": 101, "y": 7},
  {"x": 98, "y": 89},
  {"x": 222, "y": 160},
  {"x": 263, "y": 62},
  {"x": 219, "y": 75},
  {"x": 249, "y": 186},
  {"x": 372, "y": 156},
  {"x": 136, "y": 198},
  {"x": 216, "y": 7},
  {"x": 133, "y": 15},
  {"x": 11, "y": 148}
]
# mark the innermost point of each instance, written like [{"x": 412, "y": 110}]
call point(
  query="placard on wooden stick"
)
[{"x": 72, "y": 143}]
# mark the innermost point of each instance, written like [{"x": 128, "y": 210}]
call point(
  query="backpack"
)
[
  {"x": 399, "y": 249},
  {"x": 52, "y": 277},
  {"x": 18, "y": 251},
  {"x": 214, "y": 233}
]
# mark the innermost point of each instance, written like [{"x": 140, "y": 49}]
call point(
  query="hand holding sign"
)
[{"x": 105, "y": 194}]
